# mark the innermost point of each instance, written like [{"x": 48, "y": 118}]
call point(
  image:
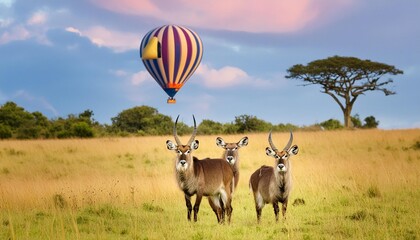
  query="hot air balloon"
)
[{"x": 171, "y": 54}]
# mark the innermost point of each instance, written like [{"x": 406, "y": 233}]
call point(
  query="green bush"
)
[
  {"x": 331, "y": 124},
  {"x": 357, "y": 123},
  {"x": 370, "y": 122},
  {"x": 5, "y": 132},
  {"x": 82, "y": 130}
]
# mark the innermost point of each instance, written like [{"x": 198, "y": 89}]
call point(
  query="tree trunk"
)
[{"x": 347, "y": 117}]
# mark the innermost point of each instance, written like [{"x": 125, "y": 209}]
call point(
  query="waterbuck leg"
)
[
  {"x": 189, "y": 206},
  {"x": 229, "y": 209},
  {"x": 222, "y": 208},
  {"x": 284, "y": 208},
  {"x": 258, "y": 209},
  {"x": 276, "y": 210},
  {"x": 197, "y": 205},
  {"x": 216, "y": 210}
]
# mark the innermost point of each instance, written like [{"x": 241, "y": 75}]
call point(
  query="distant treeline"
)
[{"x": 16, "y": 122}]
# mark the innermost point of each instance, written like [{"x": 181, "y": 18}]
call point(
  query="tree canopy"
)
[
  {"x": 144, "y": 120},
  {"x": 16, "y": 122},
  {"x": 345, "y": 79}
]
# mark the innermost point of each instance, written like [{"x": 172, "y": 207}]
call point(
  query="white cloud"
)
[
  {"x": 16, "y": 33},
  {"x": 74, "y": 30},
  {"x": 236, "y": 15},
  {"x": 35, "y": 27},
  {"x": 103, "y": 37},
  {"x": 37, "y": 18},
  {"x": 220, "y": 78},
  {"x": 227, "y": 76},
  {"x": 119, "y": 73},
  {"x": 7, "y": 3},
  {"x": 140, "y": 77},
  {"x": 5, "y": 22}
]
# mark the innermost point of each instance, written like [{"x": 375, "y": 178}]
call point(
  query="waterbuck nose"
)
[
  {"x": 281, "y": 166},
  {"x": 183, "y": 162},
  {"x": 230, "y": 158}
]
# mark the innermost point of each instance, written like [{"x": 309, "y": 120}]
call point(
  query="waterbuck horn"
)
[
  {"x": 178, "y": 142},
  {"x": 193, "y": 134},
  {"x": 271, "y": 142},
  {"x": 289, "y": 143}
]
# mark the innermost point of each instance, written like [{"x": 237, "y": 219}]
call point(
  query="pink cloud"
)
[
  {"x": 236, "y": 15},
  {"x": 226, "y": 77},
  {"x": 16, "y": 33},
  {"x": 101, "y": 36},
  {"x": 37, "y": 18}
]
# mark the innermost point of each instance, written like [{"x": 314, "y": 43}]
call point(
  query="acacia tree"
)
[{"x": 345, "y": 79}]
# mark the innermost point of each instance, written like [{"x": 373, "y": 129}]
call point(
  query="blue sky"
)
[{"x": 63, "y": 57}]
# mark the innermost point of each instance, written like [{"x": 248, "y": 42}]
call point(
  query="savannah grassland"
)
[{"x": 362, "y": 184}]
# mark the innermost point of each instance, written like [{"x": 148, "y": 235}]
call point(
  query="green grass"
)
[
  {"x": 360, "y": 217},
  {"x": 347, "y": 185}
]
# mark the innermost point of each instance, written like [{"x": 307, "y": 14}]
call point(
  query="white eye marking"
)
[
  {"x": 179, "y": 152},
  {"x": 187, "y": 152}
]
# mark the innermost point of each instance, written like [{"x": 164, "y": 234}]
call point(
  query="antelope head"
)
[
  {"x": 231, "y": 149},
  {"x": 282, "y": 157},
  {"x": 184, "y": 157}
]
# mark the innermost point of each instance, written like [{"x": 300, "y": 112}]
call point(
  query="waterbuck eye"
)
[
  {"x": 179, "y": 152},
  {"x": 187, "y": 152}
]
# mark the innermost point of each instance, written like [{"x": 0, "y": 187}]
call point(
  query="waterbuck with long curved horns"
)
[
  {"x": 207, "y": 177},
  {"x": 273, "y": 184}
]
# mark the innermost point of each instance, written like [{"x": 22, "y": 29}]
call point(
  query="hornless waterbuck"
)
[
  {"x": 231, "y": 154},
  {"x": 208, "y": 177},
  {"x": 273, "y": 184}
]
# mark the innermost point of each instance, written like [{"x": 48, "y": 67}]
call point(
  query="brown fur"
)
[
  {"x": 232, "y": 150},
  {"x": 230, "y": 153},
  {"x": 208, "y": 177},
  {"x": 271, "y": 184}
]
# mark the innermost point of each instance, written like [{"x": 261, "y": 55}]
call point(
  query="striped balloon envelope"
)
[{"x": 171, "y": 54}]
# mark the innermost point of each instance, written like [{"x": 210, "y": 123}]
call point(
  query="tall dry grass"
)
[{"x": 353, "y": 183}]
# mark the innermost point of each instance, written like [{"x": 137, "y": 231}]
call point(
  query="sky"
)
[{"x": 63, "y": 57}]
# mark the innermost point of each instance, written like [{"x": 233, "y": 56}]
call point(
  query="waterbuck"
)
[
  {"x": 207, "y": 177},
  {"x": 273, "y": 184},
  {"x": 231, "y": 154}
]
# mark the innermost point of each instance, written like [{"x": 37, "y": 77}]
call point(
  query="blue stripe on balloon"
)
[
  {"x": 170, "y": 91},
  {"x": 198, "y": 56},
  {"x": 147, "y": 63},
  {"x": 189, "y": 52},
  {"x": 178, "y": 48},
  {"x": 165, "y": 54}
]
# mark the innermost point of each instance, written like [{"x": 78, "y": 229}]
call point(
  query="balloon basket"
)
[{"x": 171, "y": 100}]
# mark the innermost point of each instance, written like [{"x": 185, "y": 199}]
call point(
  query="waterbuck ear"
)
[
  {"x": 293, "y": 150},
  {"x": 194, "y": 145},
  {"x": 220, "y": 142},
  {"x": 269, "y": 151},
  {"x": 170, "y": 145},
  {"x": 243, "y": 142}
]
